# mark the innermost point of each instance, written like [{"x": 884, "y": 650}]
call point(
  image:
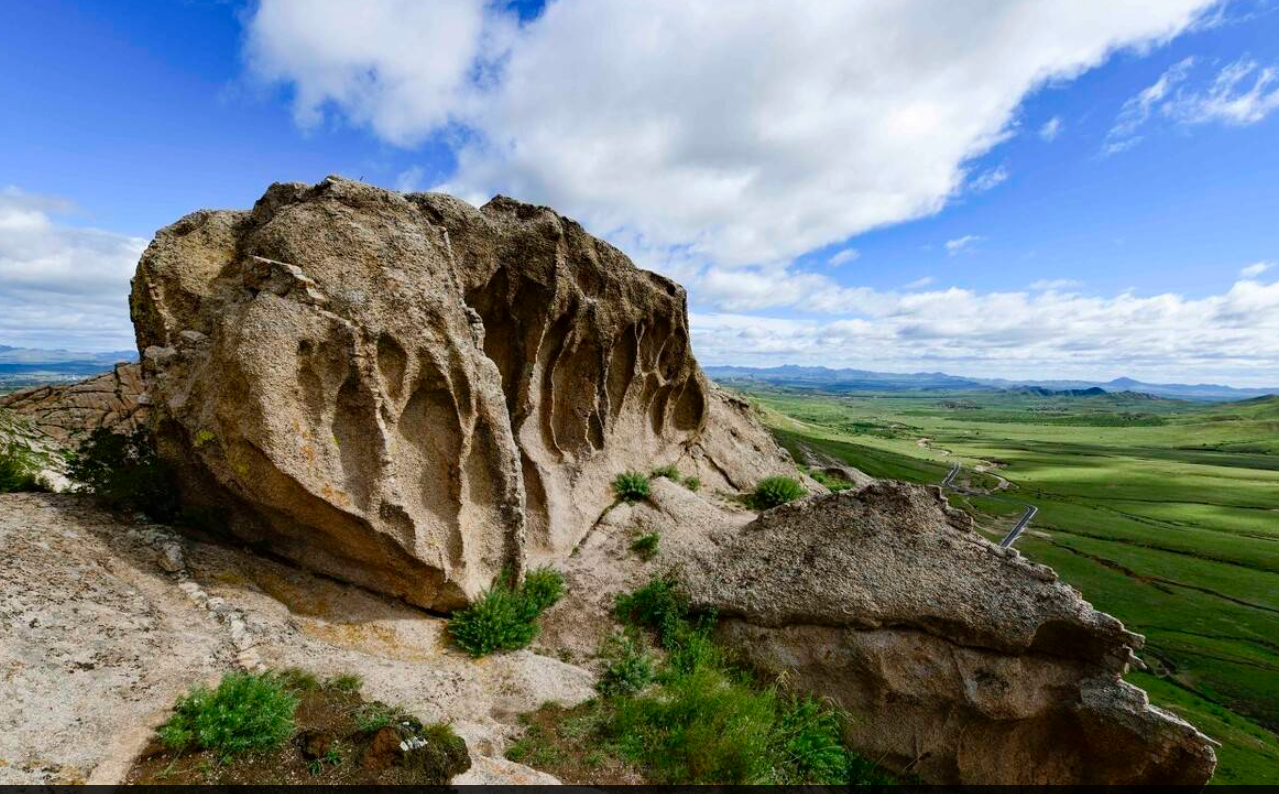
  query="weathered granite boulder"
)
[
  {"x": 956, "y": 659},
  {"x": 410, "y": 393}
]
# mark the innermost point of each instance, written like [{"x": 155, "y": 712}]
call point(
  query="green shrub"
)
[
  {"x": 692, "y": 483},
  {"x": 18, "y": 470},
  {"x": 669, "y": 471},
  {"x": 126, "y": 472},
  {"x": 505, "y": 617},
  {"x": 627, "y": 669},
  {"x": 775, "y": 491},
  {"x": 245, "y": 713},
  {"x": 646, "y": 546},
  {"x": 631, "y": 486}
]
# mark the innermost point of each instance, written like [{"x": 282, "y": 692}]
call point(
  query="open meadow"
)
[{"x": 1162, "y": 512}]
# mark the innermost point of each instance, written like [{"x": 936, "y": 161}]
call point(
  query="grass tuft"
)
[
  {"x": 505, "y": 617},
  {"x": 346, "y": 682},
  {"x": 246, "y": 712},
  {"x": 775, "y": 491},
  {"x": 693, "y": 483},
  {"x": 669, "y": 471},
  {"x": 631, "y": 486},
  {"x": 646, "y": 546}
]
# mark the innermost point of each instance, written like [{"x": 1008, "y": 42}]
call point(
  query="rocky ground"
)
[{"x": 106, "y": 621}]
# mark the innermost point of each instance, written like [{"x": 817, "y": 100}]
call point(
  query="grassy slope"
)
[{"x": 1161, "y": 512}]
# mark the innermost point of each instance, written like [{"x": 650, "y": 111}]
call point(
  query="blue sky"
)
[{"x": 1006, "y": 201}]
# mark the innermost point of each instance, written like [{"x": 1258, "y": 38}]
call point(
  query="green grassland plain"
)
[{"x": 1162, "y": 512}]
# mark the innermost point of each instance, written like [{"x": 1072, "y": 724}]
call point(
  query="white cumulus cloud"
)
[
  {"x": 1254, "y": 270},
  {"x": 744, "y": 133},
  {"x": 62, "y": 286}
]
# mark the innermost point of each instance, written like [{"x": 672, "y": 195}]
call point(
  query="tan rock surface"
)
[
  {"x": 410, "y": 393},
  {"x": 956, "y": 659},
  {"x": 100, "y": 638}
]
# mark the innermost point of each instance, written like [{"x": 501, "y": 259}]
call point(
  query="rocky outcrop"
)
[
  {"x": 956, "y": 659},
  {"x": 411, "y": 393},
  {"x": 65, "y": 413}
]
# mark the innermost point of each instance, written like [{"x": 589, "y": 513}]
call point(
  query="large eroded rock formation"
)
[
  {"x": 411, "y": 393},
  {"x": 958, "y": 660},
  {"x": 63, "y": 413}
]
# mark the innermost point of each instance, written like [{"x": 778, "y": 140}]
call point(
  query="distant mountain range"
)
[
  {"x": 21, "y": 366},
  {"x": 854, "y": 380}
]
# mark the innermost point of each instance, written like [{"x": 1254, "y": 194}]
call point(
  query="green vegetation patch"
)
[
  {"x": 18, "y": 469},
  {"x": 670, "y": 471},
  {"x": 289, "y": 728},
  {"x": 646, "y": 545},
  {"x": 504, "y": 617},
  {"x": 688, "y": 716},
  {"x": 776, "y": 491},
  {"x": 631, "y": 486},
  {"x": 245, "y": 712}
]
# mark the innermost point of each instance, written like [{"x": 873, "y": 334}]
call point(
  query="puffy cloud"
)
[
  {"x": 62, "y": 286},
  {"x": 1242, "y": 93},
  {"x": 1051, "y": 129},
  {"x": 964, "y": 243},
  {"x": 746, "y": 133},
  {"x": 1232, "y": 336}
]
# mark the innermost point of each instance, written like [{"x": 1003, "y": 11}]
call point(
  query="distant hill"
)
[
  {"x": 853, "y": 380},
  {"x": 22, "y": 366}
]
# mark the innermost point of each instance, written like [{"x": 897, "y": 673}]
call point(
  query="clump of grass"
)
[
  {"x": 775, "y": 491},
  {"x": 370, "y": 717},
  {"x": 346, "y": 682},
  {"x": 693, "y": 483},
  {"x": 646, "y": 546},
  {"x": 246, "y": 712},
  {"x": 669, "y": 471},
  {"x": 126, "y": 472},
  {"x": 18, "y": 470},
  {"x": 631, "y": 486},
  {"x": 628, "y": 668},
  {"x": 505, "y": 617},
  {"x": 299, "y": 680}
]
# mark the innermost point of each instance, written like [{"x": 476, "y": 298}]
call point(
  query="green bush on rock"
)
[
  {"x": 246, "y": 712},
  {"x": 504, "y": 617},
  {"x": 631, "y": 486},
  {"x": 775, "y": 491}
]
